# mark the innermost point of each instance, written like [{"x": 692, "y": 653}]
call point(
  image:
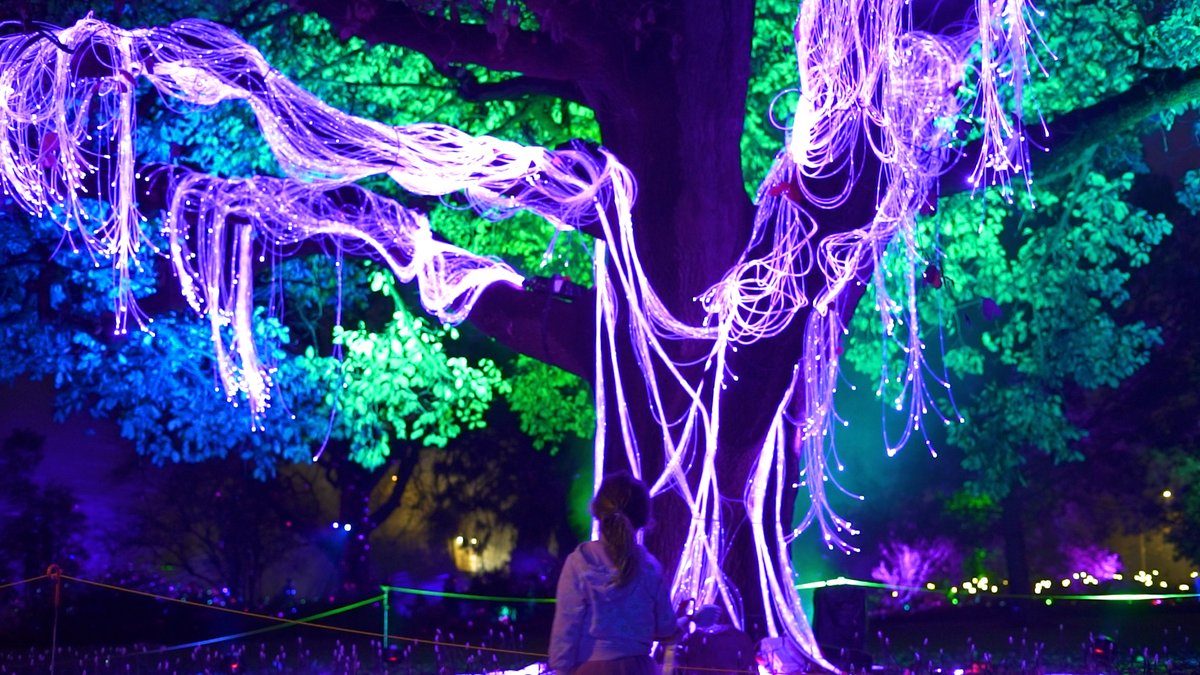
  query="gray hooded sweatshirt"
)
[{"x": 596, "y": 621}]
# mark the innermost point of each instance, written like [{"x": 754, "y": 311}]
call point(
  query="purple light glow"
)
[
  {"x": 908, "y": 567},
  {"x": 854, "y": 77}
]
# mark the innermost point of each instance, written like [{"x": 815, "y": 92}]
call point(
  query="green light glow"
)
[
  {"x": 1109, "y": 597},
  {"x": 1128, "y": 597}
]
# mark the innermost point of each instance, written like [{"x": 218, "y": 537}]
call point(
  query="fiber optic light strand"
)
[{"x": 865, "y": 79}]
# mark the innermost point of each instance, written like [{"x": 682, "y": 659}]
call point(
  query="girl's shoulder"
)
[
  {"x": 592, "y": 553},
  {"x": 649, "y": 560}
]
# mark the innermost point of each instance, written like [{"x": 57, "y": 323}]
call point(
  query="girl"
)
[{"x": 613, "y": 600}]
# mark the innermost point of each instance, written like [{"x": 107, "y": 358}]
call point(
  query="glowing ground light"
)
[{"x": 863, "y": 75}]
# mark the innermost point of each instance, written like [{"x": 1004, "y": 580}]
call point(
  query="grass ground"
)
[
  {"x": 1074, "y": 637},
  {"x": 995, "y": 638}
]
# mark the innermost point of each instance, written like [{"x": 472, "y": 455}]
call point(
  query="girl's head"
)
[{"x": 622, "y": 505}]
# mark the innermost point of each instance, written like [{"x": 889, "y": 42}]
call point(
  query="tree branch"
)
[
  {"x": 1072, "y": 135},
  {"x": 471, "y": 89},
  {"x": 537, "y": 324},
  {"x": 540, "y": 325},
  {"x": 445, "y": 41},
  {"x": 1076, "y": 132}
]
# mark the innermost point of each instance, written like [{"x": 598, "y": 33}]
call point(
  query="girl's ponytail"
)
[
  {"x": 617, "y": 534},
  {"x": 622, "y": 504}
]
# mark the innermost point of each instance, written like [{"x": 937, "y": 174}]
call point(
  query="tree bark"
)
[{"x": 1016, "y": 558}]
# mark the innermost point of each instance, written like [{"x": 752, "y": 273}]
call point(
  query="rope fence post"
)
[
  {"x": 387, "y": 592},
  {"x": 54, "y": 572}
]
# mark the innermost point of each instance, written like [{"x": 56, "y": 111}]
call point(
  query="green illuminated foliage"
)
[
  {"x": 1055, "y": 274},
  {"x": 773, "y": 54},
  {"x": 551, "y": 404},
  {"x": 974, "y": 511},
  {"x": 1097, "y": 49},
  {"x": 400, "y": 385}
]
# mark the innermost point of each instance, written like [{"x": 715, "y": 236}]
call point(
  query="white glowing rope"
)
[
  {"x": 775, "y": 575},
  {"x": 865, "y": 81}
]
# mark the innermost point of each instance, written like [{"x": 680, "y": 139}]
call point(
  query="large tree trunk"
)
[
  {"x": 675, "y": 119},
  {"x": 356, "y": 487},
  {"x": 1016, "y": 558}
]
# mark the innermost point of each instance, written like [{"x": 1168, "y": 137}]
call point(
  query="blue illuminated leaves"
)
[{"x": 1189, "y": 196}]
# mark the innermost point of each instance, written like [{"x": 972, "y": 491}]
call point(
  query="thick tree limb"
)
[
  {"x": 470, "y": 88},
  {"x": 540, "y": 325},
  {"x": 445, "y": 41},
  {"x": 1059, "y": 154},
  {"x": 1074, "y": 133}
]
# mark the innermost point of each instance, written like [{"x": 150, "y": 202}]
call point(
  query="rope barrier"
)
[
  {"x": 30, "y": 580},
  {"x": 464, "y": 596},
  {"x": 190, "y": 603},
  {"x": 310, "y": 621},
  {"x": 284, "y": 623},
  {"x": 311, "y": 624}
]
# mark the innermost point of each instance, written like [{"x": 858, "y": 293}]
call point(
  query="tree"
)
[
  {"x": 691, "y": 223},
  {"x": 1038, "y": 290},
  {"x": 221, "y": 526},
  {"x": 39, "y": 524}
]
